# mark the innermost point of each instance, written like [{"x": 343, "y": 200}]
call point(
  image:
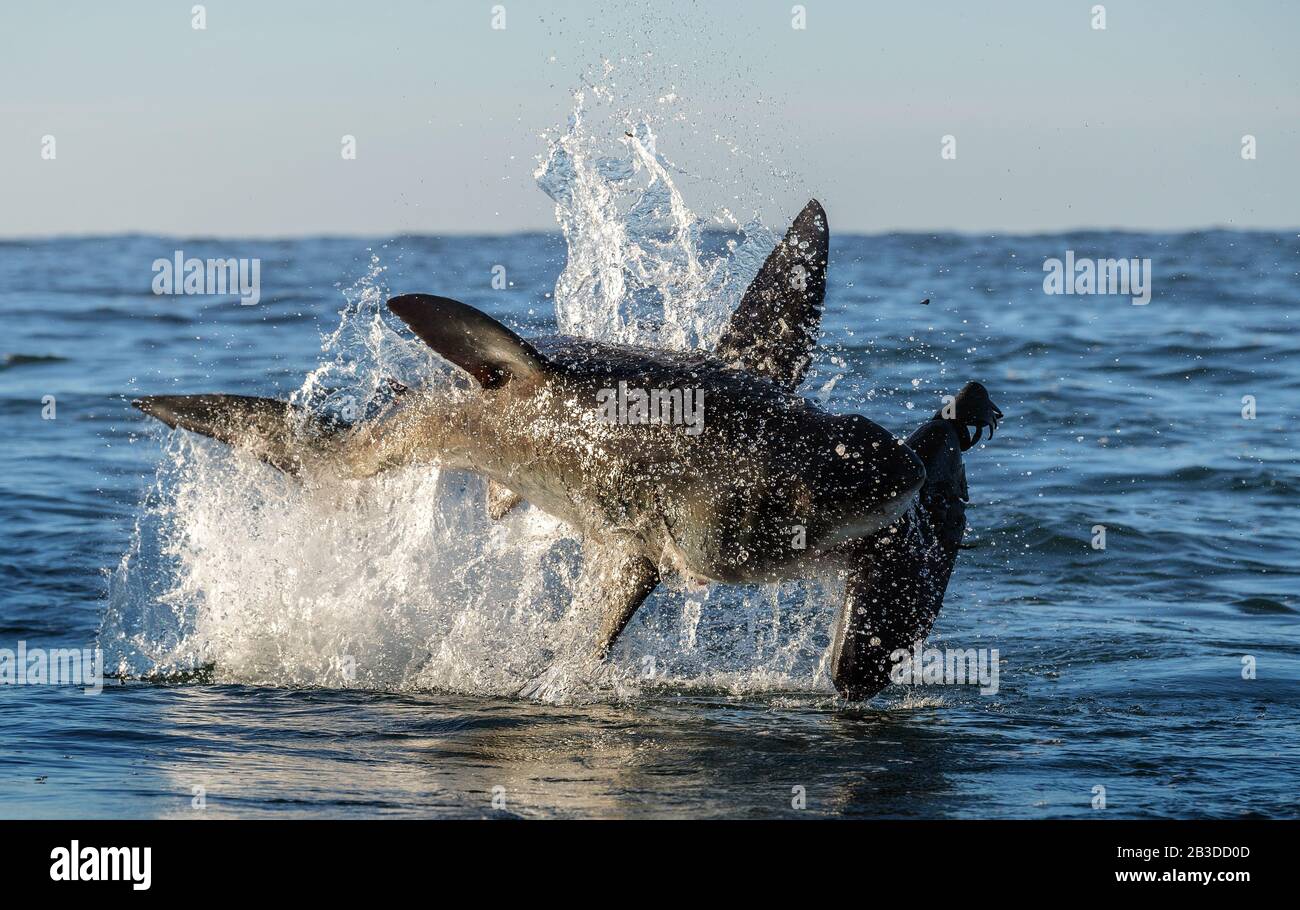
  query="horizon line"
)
[{"x": 556, "y": 232}]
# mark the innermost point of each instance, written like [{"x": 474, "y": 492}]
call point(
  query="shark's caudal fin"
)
[
  {"x": 774, "y": 328},
  {"x": 470, "y": 339},
  {"x": 277, "y": 432}
]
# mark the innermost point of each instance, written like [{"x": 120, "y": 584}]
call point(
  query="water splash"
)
[
  {"x": 402, "y": 581},
  {"x": 640, "y": 268}
]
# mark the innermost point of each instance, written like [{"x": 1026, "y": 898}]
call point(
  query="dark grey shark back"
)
[
  {"x": 767, "y": 462},
  {"x": 651, "y": 368}
]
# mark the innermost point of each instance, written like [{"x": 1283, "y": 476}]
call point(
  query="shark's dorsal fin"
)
[
  {"x": 774, "y": 328},
  {"x": 470, "y": 339}
]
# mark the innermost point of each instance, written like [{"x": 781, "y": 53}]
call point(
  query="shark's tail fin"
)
[{"x": 279, "y": 433}]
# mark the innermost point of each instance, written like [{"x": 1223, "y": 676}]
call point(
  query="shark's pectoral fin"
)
[
  {"x": 616, "y": 579},
  {"x": 279, "y": 433},
  {"x": 891, "y": 599},
  {"x": 470, "y": 339},
  {"x": 500, "y": 500},
  {"x": 773, "y": 330}
]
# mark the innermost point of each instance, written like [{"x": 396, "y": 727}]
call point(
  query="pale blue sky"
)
[{"x": 236, "y": 130}]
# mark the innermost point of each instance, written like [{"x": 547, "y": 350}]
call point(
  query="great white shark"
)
[{"x": 764, "y": 486}]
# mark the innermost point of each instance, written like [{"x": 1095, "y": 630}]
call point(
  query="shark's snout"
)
[
  {"x": 901, "y": 476},
  {"x": 870, "y": 480},
  {"x": 879, "y": 460}
]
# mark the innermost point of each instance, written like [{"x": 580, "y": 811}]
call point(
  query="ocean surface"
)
[{"x": 355, "y": 654}]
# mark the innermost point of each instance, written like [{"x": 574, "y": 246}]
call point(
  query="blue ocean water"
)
[{"x": 222, "y": 599}]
